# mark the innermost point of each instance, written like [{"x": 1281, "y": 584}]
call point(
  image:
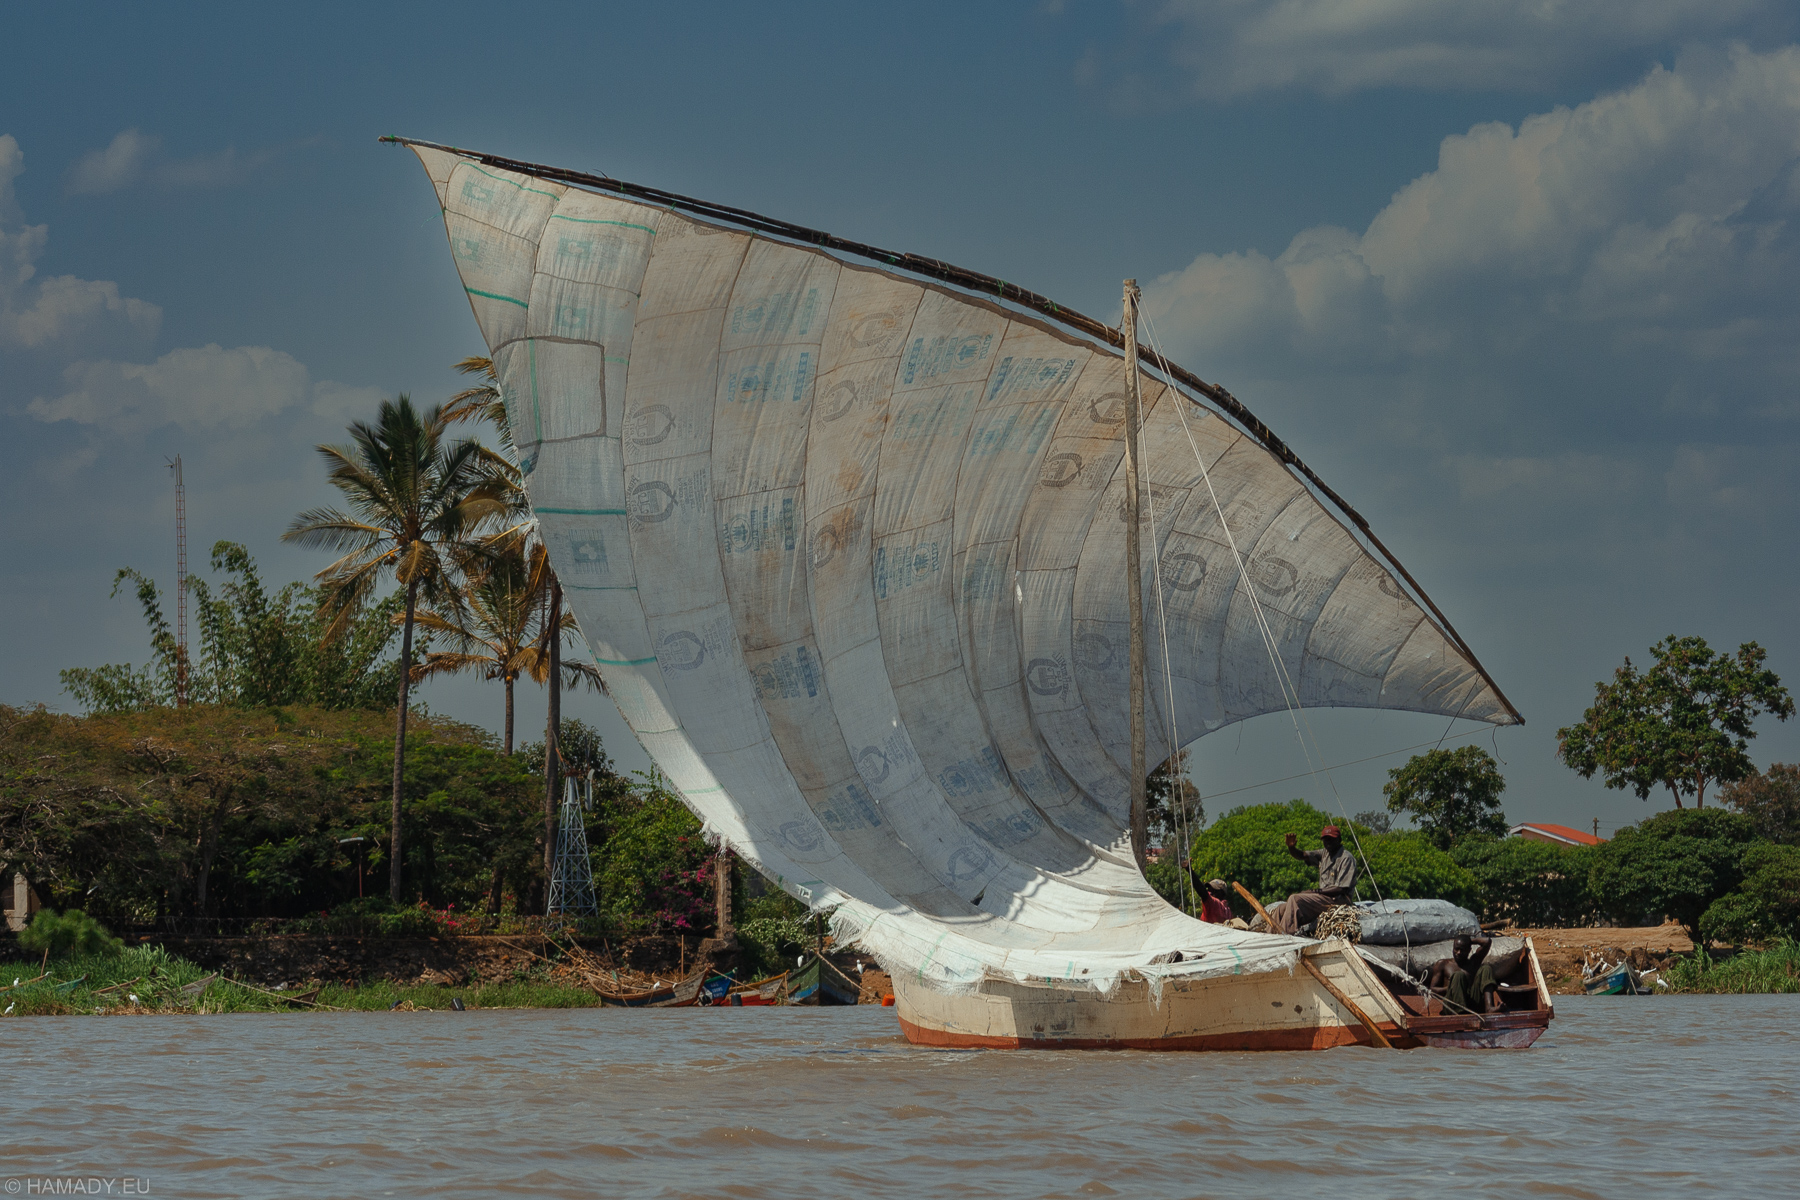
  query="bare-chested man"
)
[{"x": 1470, "y": 980}]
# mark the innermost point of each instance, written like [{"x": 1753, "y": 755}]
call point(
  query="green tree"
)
[
  {"x": 1451, "y": 793},
  {"x": 1766, "y": 905},
  {"x": 254, "y": 649},
  {"x": 652, "y": 867},
  {"x": 1673, "y": 865},
  {"x": 1174, "y": 814},
  {"x": 70, "y": 934},
  {"x": 1533, "y": 884},
  {"x": 481, "y": 402},
  {"x": 416, "y": 502},
  {"x": 1409, "y": 866},
  {"x": 498, "y": 632},
  {"x": 126, "y": 813},
  {"x": 1771, "y": 800},
  {"x": 1683, "y": 724}
]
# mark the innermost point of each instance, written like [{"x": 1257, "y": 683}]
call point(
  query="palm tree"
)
[
  {"x": 500, "y": 634},
  {"x": 415, "y": 503},
  {"x": 483, "y": 402}
]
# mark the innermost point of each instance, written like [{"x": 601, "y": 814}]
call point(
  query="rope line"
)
[
  {"x": 1176, "y": 759},
  {"x": 1290, "y": 692}
]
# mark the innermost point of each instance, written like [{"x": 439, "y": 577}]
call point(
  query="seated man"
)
[
  {"x": 1337, "y": 883},
  {"x": 1470, "y": 980}
]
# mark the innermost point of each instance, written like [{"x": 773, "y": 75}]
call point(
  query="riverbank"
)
[
  {"x": 1562, "y": 951},
  {"x": 274, "y": 974},
  {"x": 285, "y": 974},
  {"x": 145, "y": 980}
]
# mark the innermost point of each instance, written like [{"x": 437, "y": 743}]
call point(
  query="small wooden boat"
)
[
  {"x": 1333, "y": 997},
  {"x": 1612, "y": 982},
  {"x": 682, "y": 994},
  {"x": 755, "y": 994},
  {"x": 818, "y": 982}
]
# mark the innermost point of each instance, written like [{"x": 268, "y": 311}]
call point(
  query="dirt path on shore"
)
[{"x": 1561, "y": 951}]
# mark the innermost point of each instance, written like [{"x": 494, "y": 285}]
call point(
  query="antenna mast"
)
[{"x": 181, "y": 645}]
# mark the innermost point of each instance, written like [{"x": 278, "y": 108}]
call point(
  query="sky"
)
[{"x": 1516, "y": 279}]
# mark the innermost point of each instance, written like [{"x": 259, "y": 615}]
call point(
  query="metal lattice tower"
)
[
  {"x": 572, "y": 883},
  {"x": 181, "y": 646}
]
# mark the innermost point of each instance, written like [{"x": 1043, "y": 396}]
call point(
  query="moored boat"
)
[
  {"x": 682, "y": 993},
  {"x": 819, "y": 982}
]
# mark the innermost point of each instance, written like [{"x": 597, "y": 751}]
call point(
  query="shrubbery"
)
[
  {"x": 1766, "y": 905},
  {"x": 1676, "y": 864},
  {"x": 210, "y": 811},
  {"x": 1530, "y": 883},
  {"x": 775, "y": 928},
  {"x": 72, "y": 934}
]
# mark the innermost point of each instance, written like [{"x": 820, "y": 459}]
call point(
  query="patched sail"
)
[{"x": 847, "y": 547}]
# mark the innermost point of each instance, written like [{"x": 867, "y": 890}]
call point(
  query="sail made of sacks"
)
[{"x": 847, "y": 546}]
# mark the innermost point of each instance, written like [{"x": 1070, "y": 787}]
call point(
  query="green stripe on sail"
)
[
  {"x": 626, "y": 662},
  {"x": 587, "y": 512},
  {"x": 932, "y": 955},
  {"x": 537, "y": 417},
  {"x": 497, "y": 296},
  {"x": 598, "y": 221},
  {"x": 514, "y": 182}
]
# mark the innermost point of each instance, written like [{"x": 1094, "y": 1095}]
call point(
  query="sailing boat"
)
[{"x": 845, "y": 531}]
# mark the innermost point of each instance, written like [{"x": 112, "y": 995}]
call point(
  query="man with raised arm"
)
[{"x": 1337, "y": 883}]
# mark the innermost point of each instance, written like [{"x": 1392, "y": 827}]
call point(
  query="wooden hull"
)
[
  {"x": 684, "y": 994},
  {"x": 1268, "y": 1011},
  {"x": 818, "y": 982}
]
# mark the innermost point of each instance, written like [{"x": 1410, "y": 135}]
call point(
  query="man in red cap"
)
[{"x": 1337, "y": 883}]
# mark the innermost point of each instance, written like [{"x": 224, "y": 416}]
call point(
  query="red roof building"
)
[{"x": 1562, "y": 835}]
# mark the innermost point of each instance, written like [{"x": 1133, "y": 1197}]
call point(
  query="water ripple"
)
[{"x": 1647, "y": 1097}]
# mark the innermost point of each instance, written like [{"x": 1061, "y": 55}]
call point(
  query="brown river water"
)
[{"x": 1623, "y": 1097}]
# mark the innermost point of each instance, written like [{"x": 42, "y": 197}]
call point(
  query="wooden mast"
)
[{"x": 1134, "y": 579}]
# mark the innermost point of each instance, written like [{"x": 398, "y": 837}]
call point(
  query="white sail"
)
[{"x": 847, "y": 547}]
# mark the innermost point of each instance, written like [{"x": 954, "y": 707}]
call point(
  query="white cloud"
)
[
  {"x": 199, "y": 388},
  {"x": 121, "y": 163},
  {"x": 36, "y": 313},
  {"x": 1650, "y": 232},
  {"x": 1233, "y": 47},
  {"x": 134, "y": 157}
]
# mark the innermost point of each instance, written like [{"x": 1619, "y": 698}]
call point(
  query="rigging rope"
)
[
  {"x": 1290, "y": 692},
  {"x": 1176, "y": 761}
]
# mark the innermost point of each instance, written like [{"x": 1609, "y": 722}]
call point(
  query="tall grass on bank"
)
[
  {"x": 1775, "y": 969},
  {"x": 148, "y": 979}
]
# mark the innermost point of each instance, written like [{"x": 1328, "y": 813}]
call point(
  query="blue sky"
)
[{"x": 1516, "y": 279}]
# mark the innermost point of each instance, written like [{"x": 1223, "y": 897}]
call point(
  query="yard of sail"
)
[{"x": 848, "y": 548}]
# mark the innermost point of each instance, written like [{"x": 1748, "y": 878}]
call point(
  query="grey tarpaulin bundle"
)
[{"x": 1399, "y": 922}]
